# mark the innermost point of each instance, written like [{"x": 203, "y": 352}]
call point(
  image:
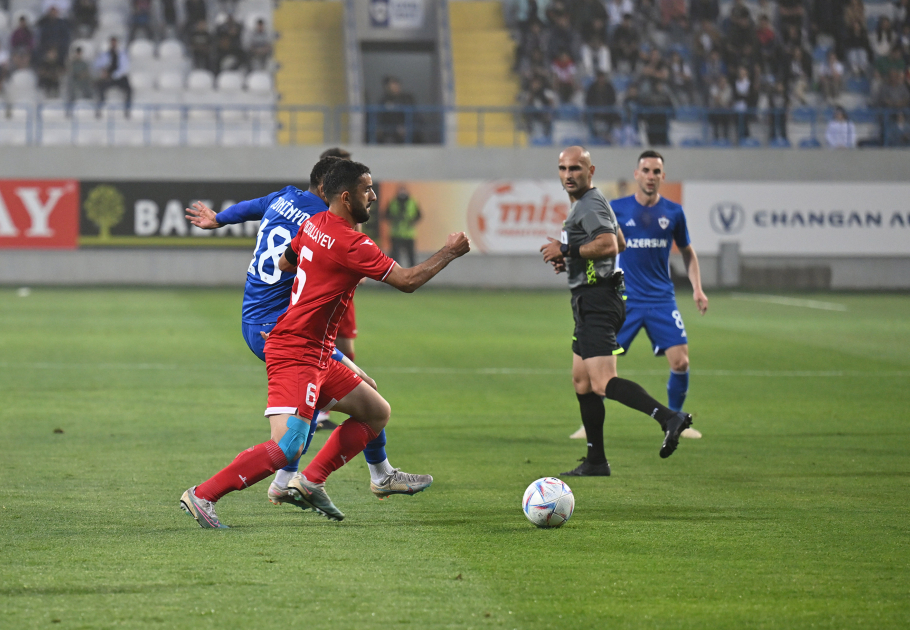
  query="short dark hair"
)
[
  {"x": 336, "y": 152},
  {"x": 650, "y": 153},
  {"x": 320, "y": 169},
  {"x": 343, "y": 177}
]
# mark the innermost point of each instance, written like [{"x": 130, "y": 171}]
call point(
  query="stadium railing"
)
[{"x": 257, "y": 125}]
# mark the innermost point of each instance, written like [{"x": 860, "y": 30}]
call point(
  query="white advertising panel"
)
[
  {"x": 516, "y": 216},
  {"x": 831, "y": 219}
]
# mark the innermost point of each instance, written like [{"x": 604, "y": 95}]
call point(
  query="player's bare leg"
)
[{"x": 678, "y": 385}]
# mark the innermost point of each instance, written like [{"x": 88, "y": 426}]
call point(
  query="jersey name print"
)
[
  {"x": 650, "y": 232},
  {"x": 332, "y": 257}
]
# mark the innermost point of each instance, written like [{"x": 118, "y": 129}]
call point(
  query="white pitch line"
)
[
  {"x": 785, "y": 301},
  {"x": 489, "y": 371}
]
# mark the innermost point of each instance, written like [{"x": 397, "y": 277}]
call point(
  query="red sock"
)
[
  {"x": 342, "y": 446},
  {"x": 249, "y": 467}
]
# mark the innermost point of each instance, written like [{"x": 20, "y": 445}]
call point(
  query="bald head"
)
[{"x": 576, "y": 171}]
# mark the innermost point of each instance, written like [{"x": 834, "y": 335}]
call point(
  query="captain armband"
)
[{"x": 291, "y": 255}]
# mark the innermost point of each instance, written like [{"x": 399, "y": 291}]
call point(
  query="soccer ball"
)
[{"x": 548, "y": 502}]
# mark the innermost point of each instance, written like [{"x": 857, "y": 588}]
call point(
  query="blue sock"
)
[
  {"x": 677, "y": 388},
  {"x": 292, "y": 466},
  {"x": 374, "y": 452}
]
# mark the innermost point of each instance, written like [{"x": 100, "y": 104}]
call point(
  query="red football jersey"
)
[{"x": 331, "y": 259}]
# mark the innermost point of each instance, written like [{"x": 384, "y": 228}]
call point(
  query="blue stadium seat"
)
[
  {"x": 621, "y": 82},
  {"x": 802, "y": 114},
  {"x": 721, "y": 143},
  {"x": 541, "y": 141},
  {"x": 809, "y": 143},
  {"x": 749, "y": 143},
  {"x": 691, "y": 142},
  {"x": 863, "y": 115},
  {"x": 820, "y": 53},
  {"x": 779, "y": 143},
  {"x": 859, "y": 85}
]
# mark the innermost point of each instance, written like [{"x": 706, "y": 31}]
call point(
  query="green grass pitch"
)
[{"x": 791, "y": 512}]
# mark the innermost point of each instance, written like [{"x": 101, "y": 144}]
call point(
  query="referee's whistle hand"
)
[{"x": 551, "y": 251}]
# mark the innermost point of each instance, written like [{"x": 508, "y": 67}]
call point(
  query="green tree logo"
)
[{"x": 104, "y": 208}]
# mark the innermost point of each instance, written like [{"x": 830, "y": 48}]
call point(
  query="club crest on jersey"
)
[{"x": 663, "y": 222}]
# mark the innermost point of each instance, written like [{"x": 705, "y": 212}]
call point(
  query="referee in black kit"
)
[{"x": 591, "y": 239}]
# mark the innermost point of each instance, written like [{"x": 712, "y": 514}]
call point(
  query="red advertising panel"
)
[{"x": 39, "y": 214}]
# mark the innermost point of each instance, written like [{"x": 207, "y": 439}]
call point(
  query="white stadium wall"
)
[{"x": 758, "y": 218}]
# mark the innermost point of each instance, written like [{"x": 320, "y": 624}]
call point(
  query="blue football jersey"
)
[
  {"x": 650, "y": 233},
  {"x": 268, "y": 289}
]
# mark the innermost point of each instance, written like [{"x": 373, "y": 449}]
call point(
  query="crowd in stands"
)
[
  {"x": 79, "y": 49},
  {"x": 631, "y": 62}
]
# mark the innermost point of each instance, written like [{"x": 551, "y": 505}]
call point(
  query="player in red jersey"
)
[{"x": 331, "y": 258}]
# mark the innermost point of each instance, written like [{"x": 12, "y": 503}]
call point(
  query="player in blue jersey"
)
[
  {"x": 267, "y": 295},
  {"x": 651, "y": 224}
]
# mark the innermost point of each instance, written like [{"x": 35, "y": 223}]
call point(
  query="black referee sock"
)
[
  {"x": 633, "y": 395},
  {"x": 592, "y": 416}
]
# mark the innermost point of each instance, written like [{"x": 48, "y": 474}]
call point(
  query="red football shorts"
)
[
  {"x": 348, "y": 326},
  {"x": 300, "y": 389}
]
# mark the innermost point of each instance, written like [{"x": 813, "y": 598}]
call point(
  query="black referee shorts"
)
[{"x": 599, "y": 313}]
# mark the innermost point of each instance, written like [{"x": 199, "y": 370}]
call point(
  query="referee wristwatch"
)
[{"x": 570, "y": 250}]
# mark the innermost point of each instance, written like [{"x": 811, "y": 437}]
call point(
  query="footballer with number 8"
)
[
  {"x": 330, "y": 257},
  {"x": 590, "y": 243}
]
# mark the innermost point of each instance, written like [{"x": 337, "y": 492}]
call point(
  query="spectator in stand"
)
[
  {"x": 78, "y": 78},
  {"x": 259, "y": 47},
  {"x": 113, "y": 67},
  {"x": 22, "y": 45},
  {"x": 565, "y": 78},
  {"x": 648, "y": 22},
  {"x": 893, "y": 93},
  {"x": 595, "y": 57},
  {"x": 745, "y": 99},
  {"x": 858, "y": 49},
  {"x": 651, "y": 71},
  {"x": 827, "y": 20},
  {"x": 706, "y": 38},
  {"x": 200, "y": 44},
  {"x": 740, "y": 30},
  {"x": 141, "y": 19},
  {"x": 767, "y": 42},
  {"x": 657, "y": 117},
  {"x": 627, "y": 134},
  {"x": 719, "y": 103},
  {"x": 625, "y": 45},
  {"x": 681, "y": 80},
  {"x": 671, "y": 10},
  {"x": 769, "y": 8},
  {"x": 894, "y": 60},
  {"x": 533, "y": 38},
  {"x": 797, "y": 75},
  {"x": 538, "y": 101},
  {"x": 884, "y": 38},
  {"x": 700, "y": 10},
  {"x": 831, "y": 77},
  {"x": 899, "y": 132},
  {"x": 53, "y": 32},
  {"x": 601, "y": 94},
  {"x": 49, "y": 68},
  {"x": 792, "y": 13},
  {"x": 229, "y": 53},
  {"x": 392, "y": 126},
  {"x": 904, "y": 42},
  {"x": 901, "y": 14},
  {"x": 85, "y": 17},
  {"x": 534, "y": 66},
  {"x": 855, "y": 12},
  {"x": 713, "y": 67},
  {"x": 841, "y": 132},
  {"x": 617, "y": 10},
  {"x": 777, "y": 116},
  {"x": 588, "y": 17},
  {"x": 194, "y": 11},
  {"x": 562, "y": 38}
]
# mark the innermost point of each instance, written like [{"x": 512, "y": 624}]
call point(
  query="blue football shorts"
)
[
  {"x": 254, "y": 340},
  {"x": 662, "y": 322}
]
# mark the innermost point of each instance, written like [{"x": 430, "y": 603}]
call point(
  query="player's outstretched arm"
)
[
  {"x": 692, "y": 269},
  {"x": 412, "y": 278}
]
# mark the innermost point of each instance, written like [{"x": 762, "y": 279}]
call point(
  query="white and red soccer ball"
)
[{"x": 548, "y": 502}]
